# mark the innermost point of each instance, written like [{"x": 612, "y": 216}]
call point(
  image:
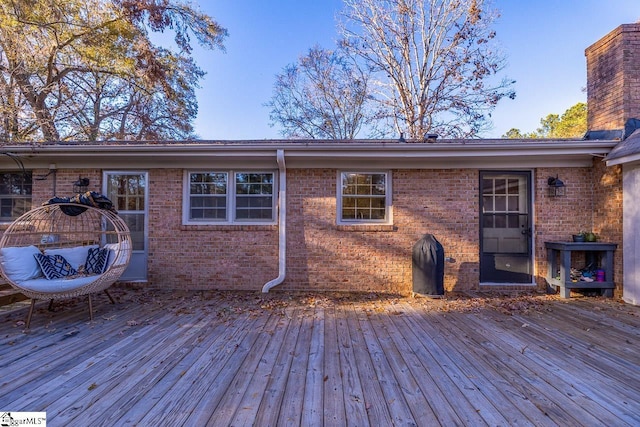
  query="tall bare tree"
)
[
  {"x": 87, "y": 69},
  {"x": 324, "y": 95},
  {"x": 434, "y": 62}
]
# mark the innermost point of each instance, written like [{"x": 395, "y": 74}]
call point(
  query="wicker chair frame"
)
[{"x": 49, "y": 227}]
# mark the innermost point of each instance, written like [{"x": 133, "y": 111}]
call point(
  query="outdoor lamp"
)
[
  {"x": 556, "y": 187},
  {"x": 81, "y": 185}
]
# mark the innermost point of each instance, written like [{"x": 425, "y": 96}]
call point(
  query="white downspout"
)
[{"x": 282, "y": 225}]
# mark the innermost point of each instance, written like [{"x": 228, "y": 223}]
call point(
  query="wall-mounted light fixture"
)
[
  {"x": 556, "y": 187},
  {"x": 81, "y": 185}
]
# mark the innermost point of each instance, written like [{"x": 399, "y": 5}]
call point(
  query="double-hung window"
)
[
  {"x": 15, "y": 194},
  {"x": 228, "y": 197},
  {"x": 364, "y": 197}
]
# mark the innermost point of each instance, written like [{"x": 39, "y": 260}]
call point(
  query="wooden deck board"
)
[
  {"x": 354, "y": 402},
  {"x": 400, "y": 392},
  {"x": 493, "y": 377},
  {"x": 472, "y": 371},
  {"x": 333, "y": 399},
  {"x": 561, "y": 375},
  {"x": 312, "y": 404},
  {"x": 609, "y": 384},
  {"x": 246, "y": 359},
  {"x": 206, "y": 385},
  {"x": 429, "y": 353},
  {"x": 437, "y": 404},
  {"x": 269, "y": 377},
  {"x": 374, "y": 398},
  {"x": 286, "y": 378},
  {"x": 553, "y": 391},
  {"x": 407, "y": 385}
]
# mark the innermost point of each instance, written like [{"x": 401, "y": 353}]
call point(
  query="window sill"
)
[
  {"x": 228, "y": 227},
  {"x": 367, "y": 227}
]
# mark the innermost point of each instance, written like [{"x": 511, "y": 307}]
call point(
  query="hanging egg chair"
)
[{"x": 64, "y": 250}]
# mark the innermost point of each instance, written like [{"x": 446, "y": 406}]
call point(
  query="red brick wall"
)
[
  {"x": 613, "y": 91},
  {"x": 613, "y": 78},
  {"x": 322, "y": 255},
  {"x": 203, "y": 257},
  {"x": 325, "y": 256},
  {"x": 444, "y": 203},
  {"x": 557, "y": 218},
  {"x": 607, "y": 212},
  {"x": 60, "y": 184}
]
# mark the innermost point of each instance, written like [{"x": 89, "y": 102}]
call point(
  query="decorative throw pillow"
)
[
  {"x": 55, "y": 266},
  {"x": 76, "y": 256},
  {"x": 96, "y": 262}
]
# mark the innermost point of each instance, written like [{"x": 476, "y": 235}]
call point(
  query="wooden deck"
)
[{"x": 240, "y": 359}]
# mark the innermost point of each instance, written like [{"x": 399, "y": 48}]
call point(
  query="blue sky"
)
[{"x": 543, "y": 42}]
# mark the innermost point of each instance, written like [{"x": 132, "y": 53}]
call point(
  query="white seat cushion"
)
[
  {"x": 57, "y": 285},
  {"x": 19, "y": 263}
]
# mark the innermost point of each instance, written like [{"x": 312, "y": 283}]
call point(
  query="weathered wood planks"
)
[{"x": 246, "y": 359}]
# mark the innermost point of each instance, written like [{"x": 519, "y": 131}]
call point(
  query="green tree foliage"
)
[
  {"x": 324, "y": 95},
  {"x": 572, "y": 124},
  {"x": 513, "y": 133},
  {"x": 87, "y": 69}
]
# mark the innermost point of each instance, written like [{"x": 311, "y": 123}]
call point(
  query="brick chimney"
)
[{"x": 613, "y": 79}]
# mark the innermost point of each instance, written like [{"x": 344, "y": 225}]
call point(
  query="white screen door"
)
[{"x": 128, "y": 192}]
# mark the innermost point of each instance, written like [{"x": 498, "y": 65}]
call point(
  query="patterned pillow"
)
[
  {"x": 55, "y": 266},
  {"x": 97, "y": 259}
]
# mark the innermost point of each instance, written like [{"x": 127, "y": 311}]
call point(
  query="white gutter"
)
[
  {"x": 305, "y": 154},
  {"x": 282, "y": 225}
]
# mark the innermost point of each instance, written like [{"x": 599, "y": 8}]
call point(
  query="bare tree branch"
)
[
  {"x": 86, "y": 69},
  {"x": 434, "y": 62}
]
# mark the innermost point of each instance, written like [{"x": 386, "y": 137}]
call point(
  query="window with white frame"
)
[
  {"x": 15, "y": 194},
  {"x": 229, "y": 197},
  {"x": 365, "y": 197}
]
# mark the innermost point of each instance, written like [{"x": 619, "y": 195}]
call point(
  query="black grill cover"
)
[{"x": 428, "y": 266}]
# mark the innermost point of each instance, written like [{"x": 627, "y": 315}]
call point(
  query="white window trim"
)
[
  {"x": 388, "y": 199},
  {"x": 231, "y": 199}
]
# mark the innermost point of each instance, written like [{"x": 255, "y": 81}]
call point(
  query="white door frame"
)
[{"x": 137, "y": 269}]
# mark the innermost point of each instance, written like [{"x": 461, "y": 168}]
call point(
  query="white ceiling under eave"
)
[{"x": 478, "y": 154}]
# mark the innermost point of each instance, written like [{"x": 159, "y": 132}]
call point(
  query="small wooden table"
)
[{"x": 564, "y": 249}]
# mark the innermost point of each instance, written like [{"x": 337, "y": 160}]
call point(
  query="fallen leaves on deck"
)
[{"x": 229, "y": 305}]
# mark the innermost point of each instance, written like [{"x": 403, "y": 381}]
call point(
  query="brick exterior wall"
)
[
  {"x": 324, "y": 256},
  {"x": 203, "y": 257},
  {"x": 607, "y": 213},
  {"x": 613, "y": 92},
  {"x": 613, "y": 78},
  {"x": 557, "y": 218},
  {"x": 61, "y": 183}
]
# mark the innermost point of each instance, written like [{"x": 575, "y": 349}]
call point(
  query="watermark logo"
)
[{"x": 23, "y": 419}]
